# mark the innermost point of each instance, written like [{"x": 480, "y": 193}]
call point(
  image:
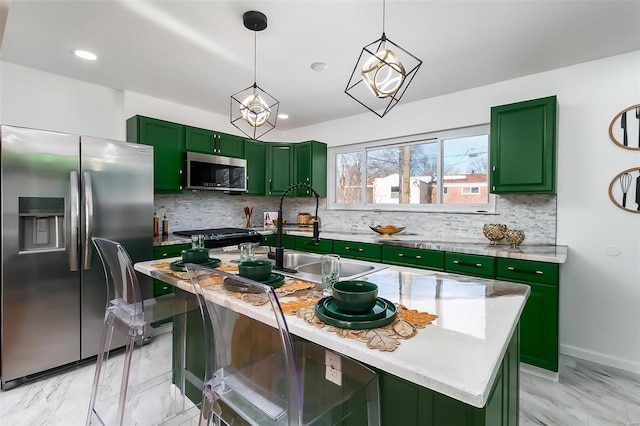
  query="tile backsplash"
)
[{"x": 535, "y": 214}]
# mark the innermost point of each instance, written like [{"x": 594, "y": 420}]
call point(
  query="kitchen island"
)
[{"x": 460, "y": 370}]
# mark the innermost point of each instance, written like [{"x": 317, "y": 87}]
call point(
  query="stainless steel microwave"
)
[{"x": 216, "y": 173}]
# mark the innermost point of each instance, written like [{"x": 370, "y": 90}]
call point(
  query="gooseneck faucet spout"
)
[{"x": 316, "y": 226}]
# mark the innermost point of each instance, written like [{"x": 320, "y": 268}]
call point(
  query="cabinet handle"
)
[
  {"x": 413, "y": 257},
  {"x": 457, "y": 262},
  {"x": 270, "y": 186},
  {"x": 354, "y": 248},
  {"x": 526, "y": 271},
  {"x": 165, "y": 254}
]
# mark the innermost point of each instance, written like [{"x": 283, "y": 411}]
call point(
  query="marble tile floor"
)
[{"x": 587, "y": 394}]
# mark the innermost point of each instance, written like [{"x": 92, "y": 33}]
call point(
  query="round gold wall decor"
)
[
  {"x": 624, "y": 129},
  {"x": 624, "y": 190}
]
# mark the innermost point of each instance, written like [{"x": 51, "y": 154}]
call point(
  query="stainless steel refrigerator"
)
[{"x": 59, "y": 190}]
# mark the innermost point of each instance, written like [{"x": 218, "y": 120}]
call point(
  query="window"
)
[{"x": 440, "y": 171}]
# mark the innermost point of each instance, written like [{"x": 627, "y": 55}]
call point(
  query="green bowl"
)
[
  {"x": 195, "y": 255},
  {"x": 355, "y": 296},
  {"x": 257, "y": 270}
]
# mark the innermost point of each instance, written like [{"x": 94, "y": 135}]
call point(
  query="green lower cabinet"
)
[
  {"x": 269, "y": 240},
  {"x": 288, "y": 241},
  {"x": 360, "y": 251},
  {"x": 401, "y": 402},
  {"x": 470, "y": 264},
  {"x": 165, "y": 252},
  {"x": 407, "y": 404},
  {"x": 540, "y": 319},
  {"x": 307, "y": 244},
  {"x": 418, "y": 258}
]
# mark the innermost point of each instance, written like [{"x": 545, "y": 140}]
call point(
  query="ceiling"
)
[{"x": 198, "y": 53}]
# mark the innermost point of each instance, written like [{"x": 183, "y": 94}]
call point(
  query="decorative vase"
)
[
  {"x": 494, "y": 232},
  {"x": 514, "y": 237}
]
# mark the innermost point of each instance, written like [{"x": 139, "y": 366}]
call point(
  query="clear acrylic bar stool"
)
[
  {"x": 145, "y": 376},
  {"x": 257, "y": 373}
]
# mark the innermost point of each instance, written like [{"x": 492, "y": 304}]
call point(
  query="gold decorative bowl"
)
[
  {"x": 387, "y": 229},
  {"x": 514, "y": 237},
  {"x": 494, "y": 232}
]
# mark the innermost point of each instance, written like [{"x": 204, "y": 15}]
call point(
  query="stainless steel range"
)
[{"x": 223, "y": 237}]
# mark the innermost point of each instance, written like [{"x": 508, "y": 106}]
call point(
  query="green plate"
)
[
  {"x": 389, "y": 315},
  {"x": 332, "y": 310},
  {"x": 178, "y": 265},
  {"x": 275, "y": 281}
]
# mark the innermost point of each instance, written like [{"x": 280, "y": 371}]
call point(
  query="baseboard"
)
[{"x": 609, "y": 361}]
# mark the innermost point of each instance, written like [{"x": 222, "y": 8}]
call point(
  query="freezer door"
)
[
  {"x": 40, "y": 312},
  {"x": 116, "y": 203}
]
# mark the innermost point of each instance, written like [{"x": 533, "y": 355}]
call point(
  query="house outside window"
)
[{"x": 433, "y": 172}]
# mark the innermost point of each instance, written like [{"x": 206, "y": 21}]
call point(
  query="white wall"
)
[
  {"x": 32, "y": 98},
  {"x": 599, "y": 293}
]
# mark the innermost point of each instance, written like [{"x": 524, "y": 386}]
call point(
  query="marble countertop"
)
[
  {"x": 535, "y": 252},
  {"x": 170, "y": 240},
  {"x": 458, "y": 355}
]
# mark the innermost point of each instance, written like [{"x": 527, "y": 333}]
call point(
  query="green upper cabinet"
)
[
  {"x": 210, "y": 142},
  {"x": 523, "y": 147},
  {"x": 254, "y": 153},
  {"x": 168, "y": 142},
  {"x": 280, "y": 164},
  {"x": 311, "y": 167}
]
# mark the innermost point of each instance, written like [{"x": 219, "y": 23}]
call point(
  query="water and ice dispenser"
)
[{"x": 41, "y": 224}]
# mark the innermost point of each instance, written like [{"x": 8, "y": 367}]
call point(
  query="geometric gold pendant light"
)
[
  {"x": 253, "y": 110},
  {"x": 382, "y": 74}
]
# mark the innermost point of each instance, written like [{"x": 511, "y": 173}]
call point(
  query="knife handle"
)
[{"x": 623, "y": 124}]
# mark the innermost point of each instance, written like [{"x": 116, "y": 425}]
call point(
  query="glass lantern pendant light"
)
[
  {"x": 253, "y": 110},
  {"x": 382, "y": 74}
]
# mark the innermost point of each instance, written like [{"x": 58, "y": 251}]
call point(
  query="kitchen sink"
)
[
  {"x": 308, "y": 267},
  {"x": 347, "y": 268}
]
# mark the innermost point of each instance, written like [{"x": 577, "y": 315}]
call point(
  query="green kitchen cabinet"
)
[
  {"x": 168, "y": 144},
  {"x": 359, "y": 251},
  {"x": 165, "y": 252},
  {"x": 268, "y": 240},
  {"x": 470, "y": 264},
  {"x": 212, "y": 142},
  {"x": 288, "y": 241},
  {"x": 415, "y": 257},
  {"x": 311, "y": 167},
  {"x": 280, "y": 167},
  {"x": 255, "y": 153},
  {"x": 540, "y": 319},
  {"x": 307, "y": 244},
  {"x": 523, "y": 147}
]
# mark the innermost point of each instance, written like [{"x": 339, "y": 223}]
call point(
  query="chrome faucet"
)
[{"x": 316, "y": 227}]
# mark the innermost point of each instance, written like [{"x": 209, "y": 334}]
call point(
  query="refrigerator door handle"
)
[
  {"x": 73, "y": 232},
  {"x": 88, "y": 219}
]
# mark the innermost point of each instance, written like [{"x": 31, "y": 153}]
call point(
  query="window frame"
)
[{"x": 437, "y": 137}]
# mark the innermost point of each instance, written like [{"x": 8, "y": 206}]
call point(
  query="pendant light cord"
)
[
  {"x": 255, "y": 56},
  {"x": 384, "y": 9}
]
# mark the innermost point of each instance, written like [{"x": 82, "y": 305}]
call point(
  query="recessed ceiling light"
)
[
  {"x": 283, "y": 116},
  {"x": 84, "y": 54},
  {"x": 319, "y": 66}
]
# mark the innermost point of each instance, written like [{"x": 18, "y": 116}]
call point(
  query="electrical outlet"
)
[{"x": 333, "y": 364}]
